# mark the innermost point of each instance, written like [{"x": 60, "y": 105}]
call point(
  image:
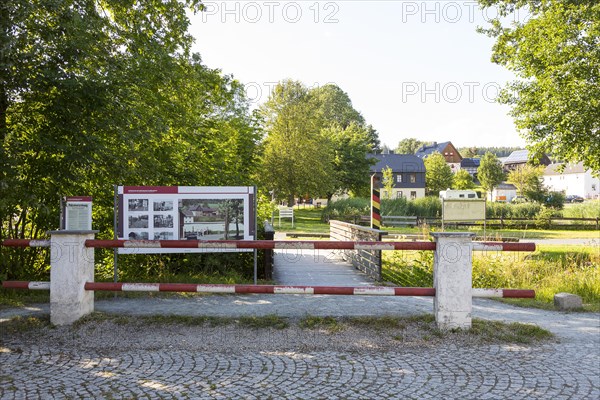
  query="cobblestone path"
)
[
  {"x": 568, "y": 371},
  {"x": 123, "y": 360},
  {"x": 196, "y": 363}
]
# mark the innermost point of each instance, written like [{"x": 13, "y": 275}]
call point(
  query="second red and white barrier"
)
[{"x": 271, "y": 289}]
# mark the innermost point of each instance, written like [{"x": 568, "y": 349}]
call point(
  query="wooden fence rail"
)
[{"x": 495, "y": 222}]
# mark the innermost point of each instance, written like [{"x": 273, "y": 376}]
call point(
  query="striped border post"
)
[{"x": 375, "y": 202}]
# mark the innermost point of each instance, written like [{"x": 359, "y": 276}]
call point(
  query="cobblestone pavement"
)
[
  {"x": 198, "y": 363},
  {"x": 56, "y": 370},
  {"x": 565, "y": 371},
  {"x": 147, "y": 362}
]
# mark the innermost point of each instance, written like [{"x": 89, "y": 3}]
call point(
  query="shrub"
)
[
  {"x": 427, "y": 207},
  {"x": 507, "y": 210},
  {"x": 353, "y": 206},
  {"x": 399, "y": 206},
  {"x": 543, "y": 219},
  {"x": 423, "y": 207}
]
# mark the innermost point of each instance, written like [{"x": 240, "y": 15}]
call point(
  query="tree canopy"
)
[
  {"x": 462, "y": 180},
  {"x": 438, "y": 174},
  {"x": 555, "y": 53},
  {"x": 316, "y": 143},
  {"x": 490, "y": 172},
  {"x": 409, "y": 146},
  {"x": 95, "y": 93}
]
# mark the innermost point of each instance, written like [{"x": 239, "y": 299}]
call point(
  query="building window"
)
[
  {"x": 413, "y": 178},
  {"x": 413, "y": 195},
  {"x": 593, "y": 188},
  {"x": 399, "y": 194},
  {"x": 399, "y": 178}
]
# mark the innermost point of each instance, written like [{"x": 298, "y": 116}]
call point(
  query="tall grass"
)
[
  {"x": 589, "y": 209},
  {"x": 507, "y": 210},
  {"x": 549, "y": 271},
  {"x": 422, "y": 207},
  {"x": 408, "y": 268},
  {"x": 353, "y": 206}
]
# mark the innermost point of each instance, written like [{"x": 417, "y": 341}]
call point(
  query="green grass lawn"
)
[{"x": 306, "y": 220}]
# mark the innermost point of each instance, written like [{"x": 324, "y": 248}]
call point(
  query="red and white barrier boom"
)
[{"x": 72, "y": 272}]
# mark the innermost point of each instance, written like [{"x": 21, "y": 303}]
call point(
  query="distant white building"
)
[
  {"x": 504, "y": 193},
  {"x": 573, "y": 180}
]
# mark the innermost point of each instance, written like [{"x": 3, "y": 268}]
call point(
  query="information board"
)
[
  {"x": 185, "y": 213},
  {"x": 76, "y": 213},
  {"x": 455, "y": 210}
]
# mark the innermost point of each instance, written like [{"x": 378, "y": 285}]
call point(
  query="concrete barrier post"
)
[
  {"x": 71, "y": 266},
  {"x": 452, "y": 280}
]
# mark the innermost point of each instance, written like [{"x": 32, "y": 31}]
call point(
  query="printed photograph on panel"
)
[
  {"x": 163, "y": 236},
  {"x": 138, "y": 236},
  {"x": 163, "y": 221},
  {"x": 138, "y": 204},
  {"x": 165, "y": 205},
  {"x": 138, "y": 221},
  {"x": 211, "y": 219}
]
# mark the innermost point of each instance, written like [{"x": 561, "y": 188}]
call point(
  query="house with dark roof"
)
[
  {"x": 447, "y": 149},
  {"x": 471, "y": 165},
  {"x": 521, "y": 157},
  {"x": 408, "y": 172}
]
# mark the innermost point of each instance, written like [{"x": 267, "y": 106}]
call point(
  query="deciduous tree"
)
[
  {"x": 462, "y": 180},
  {"x": 555, "y": 53},
  {"x": 409, "y": 146},
  {"x": 100, "y": 93},
  {"x": 296, "y": 158},
  {"x": 526, "y": 178},
  {"x": 387, "y": 181},
  {"x": 438, "y": 174},
  {"x": 351, "y": 166},
  {"x": 490, "y": 172}
]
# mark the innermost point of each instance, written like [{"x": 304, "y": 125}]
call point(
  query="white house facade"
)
[
  {"x": 504, "y": 193},
  {"x": 573, "y": 180}
]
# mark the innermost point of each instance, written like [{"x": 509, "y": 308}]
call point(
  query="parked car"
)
[
  {"x": 519, "y": 200},
  {"x": 573, "y": 198}
]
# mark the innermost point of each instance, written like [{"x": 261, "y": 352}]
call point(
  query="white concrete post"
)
[
  {"x": 452, "y": 280},
  {"x": 71, "y": 266}
]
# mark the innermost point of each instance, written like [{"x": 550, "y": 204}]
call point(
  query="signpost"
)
[
  {"x": 76, "y": 213},
  {"x": 463, "y": 210}
]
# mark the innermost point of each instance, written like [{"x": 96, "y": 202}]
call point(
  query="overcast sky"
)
[{"x": 412, "y": 68}]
